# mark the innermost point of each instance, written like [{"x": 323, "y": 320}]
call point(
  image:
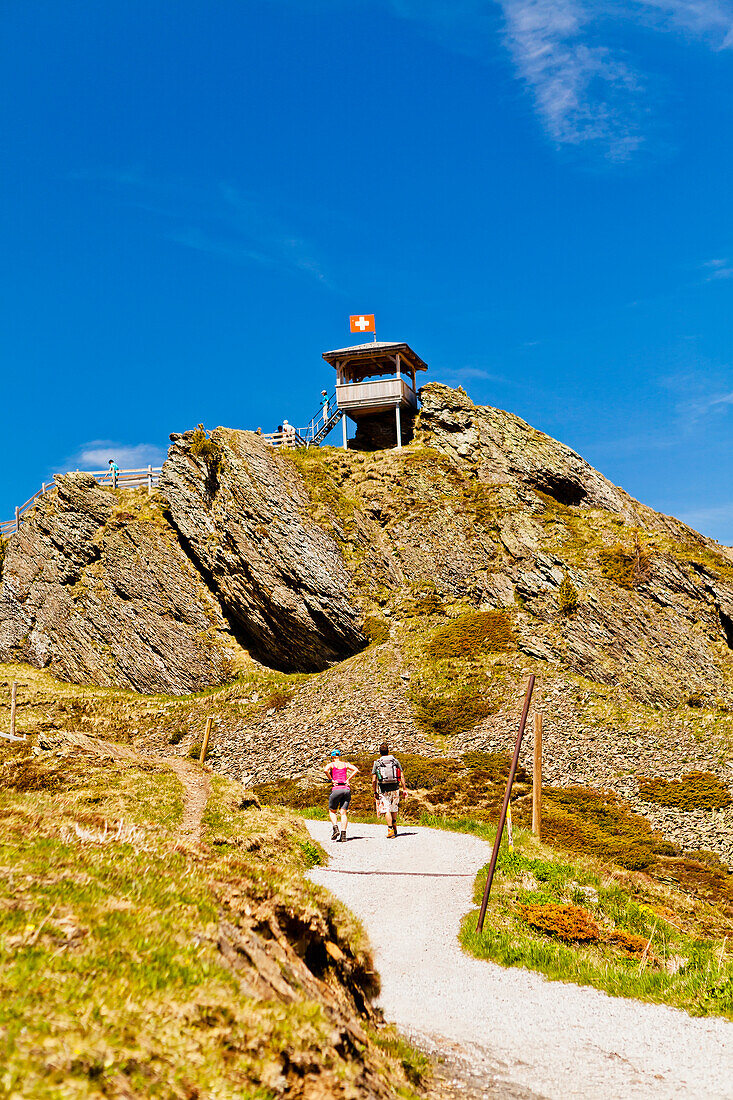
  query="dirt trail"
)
[
  {"x": 196, "y": 785},
  {"x": 506, "y": 1030}
]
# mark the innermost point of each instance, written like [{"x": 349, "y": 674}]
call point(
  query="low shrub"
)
[
  {"x": 176, "y": 737},
  {"x": 707, "y": 878},
  {"x": 598, "y": 823},
  {"x": 569, "y": 923},
  {"x": 628, "y": 944},
  {"x": 472, "y": 635},
  {"x": 625, "y": 567},
  {"x": 693, "y": 791},
  {"x": 449, "y": 714},
  {"x": 194, "y": 752},
  {"x": 375, "y": 629},
  {"x": 429, "y": 603},
  {"x": 494, "y": 766},
  {"x": 202, "y": 446},
  {"x": 277, "y": 699},
  {"x": 567, "y": 597}
]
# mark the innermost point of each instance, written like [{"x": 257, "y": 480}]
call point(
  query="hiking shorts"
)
[
  {"x": 388, "y": 802},
  {"x": 339, "y": 799}
]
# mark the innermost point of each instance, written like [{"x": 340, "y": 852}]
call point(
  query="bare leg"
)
[{"x": 344, "y": 820}]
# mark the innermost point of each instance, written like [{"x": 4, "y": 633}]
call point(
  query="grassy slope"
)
[
  {"x": 112, "y": 978},
  {"x": 633, "y": 950}
]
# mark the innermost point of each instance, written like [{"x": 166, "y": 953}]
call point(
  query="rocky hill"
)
[{"x": 352, "y": 595}]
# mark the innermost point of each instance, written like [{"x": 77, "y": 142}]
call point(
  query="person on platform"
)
[{"x": 113, "y": 472}]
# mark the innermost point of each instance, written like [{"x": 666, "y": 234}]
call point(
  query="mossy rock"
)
[
  {"x": 693, "y": 791},
  {"x": 473, "y": 635},
  {"x": 569, "y": 923}
]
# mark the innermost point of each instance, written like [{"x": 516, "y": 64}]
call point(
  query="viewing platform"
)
[{"x": 376, "y": 387}]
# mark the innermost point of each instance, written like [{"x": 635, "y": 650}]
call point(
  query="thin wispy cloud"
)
[
  {"x": 224, "y": 222},
  {"x": 587, "y": 89},
  {"x": 718, "y": 269},
  {"x": 700, "y": 394}
]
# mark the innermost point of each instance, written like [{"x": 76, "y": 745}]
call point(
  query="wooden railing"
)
[
  {"x": 314, "y": 433},
  {"x": 125, "y": 479}
]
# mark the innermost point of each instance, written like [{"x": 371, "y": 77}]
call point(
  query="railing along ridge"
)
[{"x": 147, "y": 476}]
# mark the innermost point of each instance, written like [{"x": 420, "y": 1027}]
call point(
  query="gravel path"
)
[{"x": 513, "y": 1032}]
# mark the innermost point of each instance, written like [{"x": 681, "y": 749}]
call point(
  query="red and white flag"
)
[{"x": 362, "y": 322}]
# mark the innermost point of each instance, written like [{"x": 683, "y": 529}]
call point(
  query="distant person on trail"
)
[
  {"x": 113, "y": 472},
  {"x": 340, "y": 773},
  {"x": 288, "y": 434},
  {"x": 388, "y": 780},
  {"x": 324, "y": 405}
]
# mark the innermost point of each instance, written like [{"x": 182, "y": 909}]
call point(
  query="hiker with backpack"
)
[
  {"x": 340, "y": 773},
  {"x": 388, "y": 780}
]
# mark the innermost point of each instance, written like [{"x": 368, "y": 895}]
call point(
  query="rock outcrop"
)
[
  {"x": 96, "y": 588},
  {"x": 246, "y": 553},
  {"x": 281, "y": 580}
]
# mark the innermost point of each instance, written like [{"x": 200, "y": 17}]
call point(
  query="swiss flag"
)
[{"x": 362, "y": 322}]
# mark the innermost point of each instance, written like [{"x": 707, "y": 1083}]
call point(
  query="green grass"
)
[
  {"x": 111, "y": 980},
  {"x": 691, "y": 972}
]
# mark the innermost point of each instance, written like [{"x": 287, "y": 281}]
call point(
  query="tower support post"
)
[
  {"x": 343, "y": 425},
  {"x": 398, "y": 417}
]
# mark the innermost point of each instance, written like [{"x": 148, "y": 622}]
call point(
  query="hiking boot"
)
[
  {"x": 335, "y": 833},
  {"x": 342, "y": 837},
  {"x": 391, "y": 832},
  {"x": 394, "y": 830}
]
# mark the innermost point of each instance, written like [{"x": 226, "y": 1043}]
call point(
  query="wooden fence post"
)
[
  {"x": 150, "y": 479},
  {"x": 17, "y": 520},
  {"x": 13, "y": 697},
  {"x": 537, "y": 777},
  {"x": 207, "y": 735}
]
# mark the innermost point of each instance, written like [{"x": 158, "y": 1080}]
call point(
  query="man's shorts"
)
[
  {"x": 388, "y": 802},
  {"x": 339, "y": 798}
]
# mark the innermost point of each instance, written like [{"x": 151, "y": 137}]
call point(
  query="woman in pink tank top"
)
[{"x": 340, "y": 773}]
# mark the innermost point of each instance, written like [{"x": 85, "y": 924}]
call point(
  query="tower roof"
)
[{"x": 376, "y": 357}]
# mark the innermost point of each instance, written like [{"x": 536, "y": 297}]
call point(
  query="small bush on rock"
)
[
  {"x": 569, "y": 923},
  {"x": 693, "y": 791},
  {"x": 472, "y": 635},
  {"x": 203, "y": 447},
  {"x": 567, "y": 597},
  {"x": 278, "y": 699},
  {"x": 626, "y": 568}
]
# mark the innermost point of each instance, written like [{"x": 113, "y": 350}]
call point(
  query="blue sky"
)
[{"x": 534, "y": 193}]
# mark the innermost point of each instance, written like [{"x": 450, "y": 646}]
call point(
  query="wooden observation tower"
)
[{"x": 376, "y": 388}]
